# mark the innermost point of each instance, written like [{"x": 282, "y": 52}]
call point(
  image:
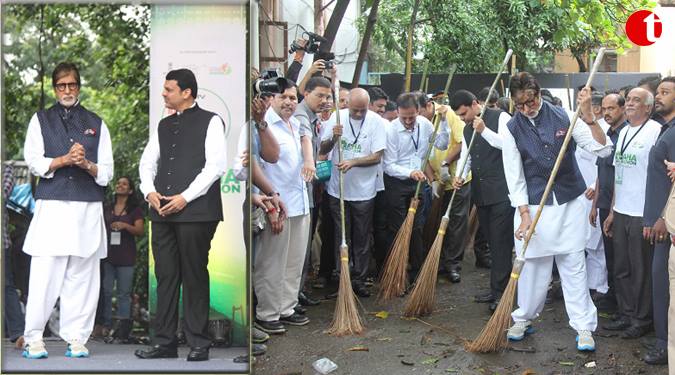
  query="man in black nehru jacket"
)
[{"x": 180, "y": 170}]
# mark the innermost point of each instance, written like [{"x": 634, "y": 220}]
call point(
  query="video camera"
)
[
  {"x": 312, "y": 45},
  {"x": 270, "y": 81}
]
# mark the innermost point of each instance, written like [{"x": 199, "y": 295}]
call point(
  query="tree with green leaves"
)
[{"x": 476, "y": 34}]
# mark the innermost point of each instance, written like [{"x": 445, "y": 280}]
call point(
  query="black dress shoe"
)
[
  {"x": 157, "y": 351},
  {"x": 484, "y": 298},
  {"x": 617, "y": 325},
  {"x": 454, "y": 276},
  {"x": 300, "y": 310},
  {"x": 657, "y": 356},
  {"x": 483, "y": 263},
  {"x": 294, "y": 320},
  {"x": 198, "y": 353},
  {"x": 493, "y": 306},
  {"x": 634, "y": 332},
  {"x": 270, "y": 326},
  {"x": 305, "y": 300},
  {"x": 361, "y": 291}
]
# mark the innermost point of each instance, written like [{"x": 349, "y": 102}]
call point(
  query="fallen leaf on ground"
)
[
  {"x": 451, "y": 370},
  {"x": 382, "y": 315},
  {"x": 408, "y": 363},
  {"x": 384, "y": 339},
  {"x": 358, "y": 348},
  {"x": 564, "y": 363},
  {"x": 425, "y": 340},
  {"x": 605, "y": 315},
  {"x": 529, "y": 371},
  {"x": 430, "y": 361}
]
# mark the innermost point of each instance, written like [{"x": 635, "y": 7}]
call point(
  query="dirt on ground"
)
[{"x": 392, "y": 344}]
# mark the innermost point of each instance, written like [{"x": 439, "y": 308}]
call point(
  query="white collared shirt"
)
[
  {"x": 63, "y": 228},
  {"x": 406, "y": 149},
  {"x": 492, "y": 138},
  {"x": 286, "y": 174},
  {"x": 215, "y": 152}
]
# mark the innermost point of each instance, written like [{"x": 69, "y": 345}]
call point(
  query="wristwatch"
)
[{"x": 261, "y": 125}]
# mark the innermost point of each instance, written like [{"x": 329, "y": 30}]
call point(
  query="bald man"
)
[{"x": 363, "y": 143}]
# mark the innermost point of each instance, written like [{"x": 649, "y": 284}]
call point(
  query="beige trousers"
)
[{"x": 277, "y": 268}]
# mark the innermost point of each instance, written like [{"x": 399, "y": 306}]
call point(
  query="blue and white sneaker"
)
[
  {"x": 585, "y": 341},
  {"x": 77, "y": 350},
  {"x": 35, "y": 350},
  {"x": 518, "y": 330}
]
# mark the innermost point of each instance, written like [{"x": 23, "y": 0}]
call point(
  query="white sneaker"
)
[
  {"x": 35, "y": 350},
  {"x": 77, "y": 350},
  {"x": 585, "y": 341},
  {"x": 518, "y": 330}
]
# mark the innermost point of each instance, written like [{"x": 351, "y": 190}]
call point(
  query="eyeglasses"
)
[
  {"x": 71, "y": 85},
  {"x": 530, "y": 103}
]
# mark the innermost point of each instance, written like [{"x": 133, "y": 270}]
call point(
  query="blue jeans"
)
[
  {"x": 14, "y": 318},
  {"x": 125, "y": 278}
]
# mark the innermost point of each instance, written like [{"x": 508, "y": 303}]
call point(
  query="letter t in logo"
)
[{"x": 651, "y": 21}]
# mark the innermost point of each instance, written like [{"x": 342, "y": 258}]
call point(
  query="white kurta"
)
[
  {"x": 62, "y": 228},
  {"x": 561, "y": 228}
]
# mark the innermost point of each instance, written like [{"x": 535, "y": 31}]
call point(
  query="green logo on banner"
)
[{"x": 229, "y": 184}]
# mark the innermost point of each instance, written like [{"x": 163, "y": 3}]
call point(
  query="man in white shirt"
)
[
  {"x": 363, "y": 144},
  {"x": 530, "y": 147},
  {"x": 69, "y": 148},
  {"x": 280, "y": 249},
  {"x": 408, "y": 138},
  {"x": 180, "y": 172},
  {"x": 632, "y": 252}
]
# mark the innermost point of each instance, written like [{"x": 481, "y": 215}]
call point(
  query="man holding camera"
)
[{"x": 180, "y": 170}]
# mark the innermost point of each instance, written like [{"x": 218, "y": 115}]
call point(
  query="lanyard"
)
[
  {"x": 625, "y": 145},
  {"x": 356, "y": 136},
  {"x": 416, "y": 142}
]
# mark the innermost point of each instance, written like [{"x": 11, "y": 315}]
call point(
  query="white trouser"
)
[
  {"x": 596, "y": 268},
  {"x": 533, "y": 286},
  {"x": 77, "y": 281},
  {"x": 277, "y": 268}
]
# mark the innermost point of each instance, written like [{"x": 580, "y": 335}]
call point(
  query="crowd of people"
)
[{"x": 601, "y": 233}]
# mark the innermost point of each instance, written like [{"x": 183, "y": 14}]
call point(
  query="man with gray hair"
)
[
  {"x": 363, "y": 145},
  {"x": 632, "y": 252}
]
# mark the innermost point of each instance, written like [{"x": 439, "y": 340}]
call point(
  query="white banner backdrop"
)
[{"x": 210, "y": 40}]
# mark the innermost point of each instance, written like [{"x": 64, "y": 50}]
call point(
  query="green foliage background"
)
[{"x": 476, "y": 34}]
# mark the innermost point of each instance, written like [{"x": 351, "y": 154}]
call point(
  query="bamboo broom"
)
[
  {"x": 346, "y": 319},
  {"x": 393, "y": 278},
  {"x": 493, "y": 337},
  {"x": 423, "y": 296}
]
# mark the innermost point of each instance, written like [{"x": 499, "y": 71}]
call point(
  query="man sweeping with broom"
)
[{"x": 530, "y": 146}]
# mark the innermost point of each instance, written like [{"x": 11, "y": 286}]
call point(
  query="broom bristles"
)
[
  {"x": 493, "y": 336},
  {"x": 394, "y": 274},
  {"x": 423, "y": 296},
  {"x": 346, "y": 319}
]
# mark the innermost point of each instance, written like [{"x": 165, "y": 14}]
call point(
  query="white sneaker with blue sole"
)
[
  {"x": 77, "y": 350},
  {"x": 35, "y": 350},
  {"x": 585, "y": 342},
  {"x": 518, "y": 330}
]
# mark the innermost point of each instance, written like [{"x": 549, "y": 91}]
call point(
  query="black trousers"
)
[
  {"x": 398, "y": 194},
  {"x": 453, "y": 244},
  {"x": 609, "y": 252},
  {"x": 326, "y": 231},
  {"x": 380, "y": 232},
  {"x": 181, "y": 254},
  {"x": 358, "y": 221},
  {"x": 632, "y": 264},
  {"x": 307, "y": 266},
  {"x": 661, "y": 292},
  {"x": 496, "y": 221}
]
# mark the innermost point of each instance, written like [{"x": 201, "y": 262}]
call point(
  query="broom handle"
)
[
  {"x": 437, "y": 121},
  {"x": 340, "y": 173},
  {"x": 473, "y": 134},
  {"x": 561, "y": 154}
]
